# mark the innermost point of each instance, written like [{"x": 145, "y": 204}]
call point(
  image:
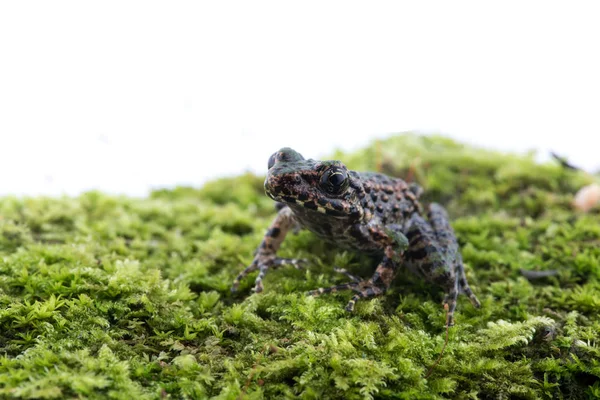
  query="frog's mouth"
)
[
  {"x": 326, "y": 209},
  {"x": 337, "y": 208}
]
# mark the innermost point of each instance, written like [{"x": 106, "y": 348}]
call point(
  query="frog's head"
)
[{"x": 325, "y": 187}]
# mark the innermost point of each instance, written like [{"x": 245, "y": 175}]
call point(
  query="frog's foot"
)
[
  {"x": 354, "y": 281},
  {"x": 263, "y": 264},
  {"x": 377, "y": 285},
  {"x": 462, "y": 286},
  {"x": 365, "y": 290},
  {"x": 465, "y": 288},
  {"x": 449, "y": 303},
  {"x": 362, "y": 288}
]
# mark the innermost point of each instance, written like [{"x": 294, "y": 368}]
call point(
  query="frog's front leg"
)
[
  {"x": 266, "y": 255},
  {"x": 394, "y": 243}
]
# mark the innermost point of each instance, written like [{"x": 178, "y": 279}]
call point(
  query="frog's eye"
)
[
  {"x": 334, "y": 180},
  {"x": 272, "y": 160}
]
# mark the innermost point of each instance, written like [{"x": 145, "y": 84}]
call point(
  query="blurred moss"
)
[{"x": 115, "y": 297}]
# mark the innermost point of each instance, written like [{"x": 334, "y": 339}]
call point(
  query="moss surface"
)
[{"x": 113, "y": 297}]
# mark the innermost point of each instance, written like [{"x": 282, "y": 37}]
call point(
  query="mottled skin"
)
[{"x": 366, "y": 212}]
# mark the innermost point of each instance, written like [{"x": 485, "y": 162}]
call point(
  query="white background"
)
[{"x": 123, "y": 96}]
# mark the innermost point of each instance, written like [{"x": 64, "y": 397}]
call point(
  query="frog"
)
[{"x": 366, "y": 212}]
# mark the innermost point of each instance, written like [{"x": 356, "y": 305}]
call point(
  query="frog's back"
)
[{"x": 394, "y": 200}]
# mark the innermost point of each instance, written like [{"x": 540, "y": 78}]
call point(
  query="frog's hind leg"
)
[
  {"x": 463, "y": 284},
  {"x": 460, "y": 285},
  {"x": 449, "y": 304},
  {"x": 430, "y": 256},
  {"x": 438, "y": 218}
]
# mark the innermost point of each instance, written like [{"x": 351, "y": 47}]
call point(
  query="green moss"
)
[{"x": 113, "y": 297}]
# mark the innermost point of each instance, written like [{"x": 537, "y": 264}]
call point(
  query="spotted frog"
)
[{"x": 366, "y": 212}]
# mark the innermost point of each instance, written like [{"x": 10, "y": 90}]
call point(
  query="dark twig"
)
[
  {"x": 532, "y": 275},
  {"x": 563, "y": 161}
]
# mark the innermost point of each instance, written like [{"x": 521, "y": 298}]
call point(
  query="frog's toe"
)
[
  {"x": 297, "y": 263},
  {"x": 262, "y": 270},
  {"x": 474, "y": 301},
  {"x": 333, "y": 289},
  {"x": 367, "y": 289},
  {"x": 350, "y": 306},
  {"x": 472, "y": 298},
  {"x": 449, "y": 304},
  {"x": 363, "y": 289},
  {"x": 343, "y": 271},
  {"x": 449, "y": 307},
  {"x": 258, "y": 286},
  {"x": 450, "y": 320},
  {"x": 263, "y": 264},
  {"x": 236, "y": 282}
]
